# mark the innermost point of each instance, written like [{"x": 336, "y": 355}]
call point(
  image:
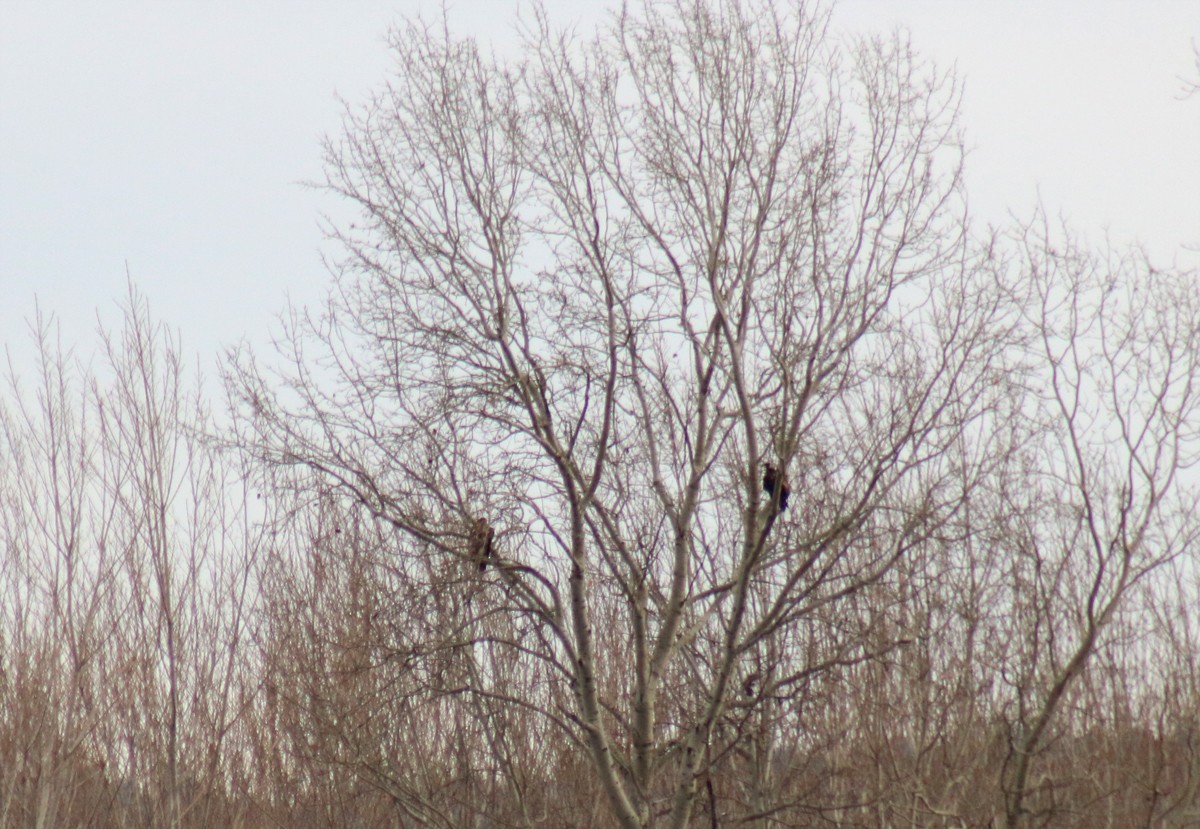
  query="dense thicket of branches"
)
[{"x": 671, "y": 452}]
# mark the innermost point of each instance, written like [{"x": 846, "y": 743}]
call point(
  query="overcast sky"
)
[{"x": 172, "y": 138}]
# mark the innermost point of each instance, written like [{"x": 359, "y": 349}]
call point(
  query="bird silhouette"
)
[
  {"x": 773, "y": 480},
  {"x": 482, "y": 537}
]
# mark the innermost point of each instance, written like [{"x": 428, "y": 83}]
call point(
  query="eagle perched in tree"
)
[
  {"x": 482, "y": 537},
  {"x": 773, "y": 480}
]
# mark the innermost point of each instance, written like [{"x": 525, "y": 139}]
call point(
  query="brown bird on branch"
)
[
  {"x": 773, "y": 480},
  {"x": 482, "y": 537}
]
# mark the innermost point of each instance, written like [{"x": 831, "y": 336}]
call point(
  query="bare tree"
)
[
  {"x": 669, "y": 453},
  {"x": 617, "y": 306},
  {"x": 125, "y": 554},
  {"x": 56, "y": 592},
  {"x": 1106, "y": 500}
]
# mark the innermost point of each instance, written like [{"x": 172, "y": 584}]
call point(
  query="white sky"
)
[{"x": 172, "y": 136}]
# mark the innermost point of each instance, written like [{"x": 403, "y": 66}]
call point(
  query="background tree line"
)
[{"x": 672, "y": 451}]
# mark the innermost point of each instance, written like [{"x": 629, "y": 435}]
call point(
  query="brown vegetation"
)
[{"x": 500, "y": 539}]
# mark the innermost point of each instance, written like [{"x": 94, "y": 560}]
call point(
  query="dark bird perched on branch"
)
[
  {"x": 772, "y": 480},
  {"x": 748, "y": 685},
  {"x": 482, "y": 536}
]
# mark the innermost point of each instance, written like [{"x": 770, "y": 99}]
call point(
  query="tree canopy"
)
[{"x": 672, "y": 450}]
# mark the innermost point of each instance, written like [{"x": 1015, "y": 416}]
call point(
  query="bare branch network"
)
[{"x": 671, "y": 451}]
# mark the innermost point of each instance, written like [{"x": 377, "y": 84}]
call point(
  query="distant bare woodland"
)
[{"x": 671, "y": 452}]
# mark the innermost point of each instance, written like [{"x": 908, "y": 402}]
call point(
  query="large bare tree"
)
[{"x": 650, "y": 355}]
